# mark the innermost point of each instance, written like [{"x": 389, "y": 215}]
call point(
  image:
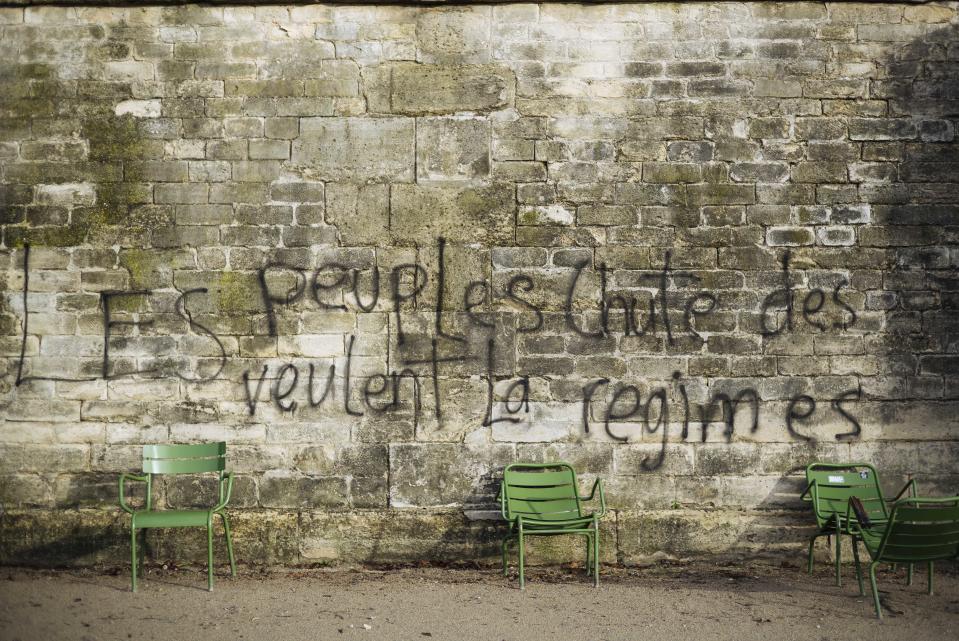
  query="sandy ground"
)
[{"x": 742, "y": 602}]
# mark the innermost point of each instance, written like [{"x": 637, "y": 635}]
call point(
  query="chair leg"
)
[
  {"x": 522, "y": 560},
  {"x": 504, "y": 548},
  {"x": 133, "y": 559},
  {"x": 838, "y": 557},
  {"x": 812, "y": 542},
  {"x": 929, "y": 590},
  {"x": 855, "y": 556},
  {"x": 229, "y": 543},
  {"x": 596, "y": 556},
  {"x": 875, "y": 590},
  {"x": 209, "y": 554},
  {"x": 909, "y": 571},
  {"x": 589, "y": 556}
]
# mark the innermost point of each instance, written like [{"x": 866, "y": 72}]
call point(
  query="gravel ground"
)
[{"x": 690, "y": 601}]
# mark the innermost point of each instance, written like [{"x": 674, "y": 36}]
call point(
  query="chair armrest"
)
[
  {"x": 910, "y": 485},
  {"x": 144, "y": 478},
  {"x": 806, "y": 496},
  {"x": 224, "y": 495},
  {"x": 852, "y": 523},
  {"x": 597, "y": 484},
  {"x": 857, "y": 520},
  {"x": 501, "y": 497}
]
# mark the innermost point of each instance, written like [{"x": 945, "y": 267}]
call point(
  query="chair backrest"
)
[
  {"x": 184, "y": 459},
  {"x": 540, "y": 491},
  {"x": 922, "y": 529},
  {"x": 837, "y": 482}
]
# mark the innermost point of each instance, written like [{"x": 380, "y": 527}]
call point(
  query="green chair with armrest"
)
[
  {"x": 542, "y": 499},
  {"x": 829, "y": 487},
  {"x": 180, "y": 459},
  {"x": 918, "y": 530}
]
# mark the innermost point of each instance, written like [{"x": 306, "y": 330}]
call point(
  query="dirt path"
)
[{"x": 674, "y": 602}]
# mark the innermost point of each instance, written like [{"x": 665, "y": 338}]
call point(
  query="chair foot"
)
[
  {"x": 855, "y": 556},
  {"x": 589, "y": 556},
  {"x": 522, "y": 560},
  {"x": 133, "y": 560},
  {"x": 595, "y": 554},
  {"x": 875, "y": 590},
  {"x": 209, "y": 554},
  {"x": 838, "y": 560},
  {"x": 504, "y": 549},
  {"x": 229, "y": 544}
]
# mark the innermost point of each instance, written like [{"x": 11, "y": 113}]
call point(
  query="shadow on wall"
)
[
  {"x": 910, "y": 180},
  {"x": 905, "y": 188},
  {"x": 900, "y": 212}
]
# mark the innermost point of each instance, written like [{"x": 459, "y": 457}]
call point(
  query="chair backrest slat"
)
[
  {"x": 184, "y": 459},
  {"x": 914, "y": 511},
  {"x": 544, "y": 492},
  {"x": 925, "y": 529},
  {"x": 196, "y": 450},
  {"x": 837, "y": 482},
  {"x": 912, "y": 554},
  {"x": 555, "y": 510},
  {"x": 540, "y": 479}
]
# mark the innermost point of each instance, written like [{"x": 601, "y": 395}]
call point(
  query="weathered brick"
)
[
  {"x": 439, "y": 89},
  {"x": 790, "y": 236},
  {"x": 820, "y": 172},
  {"x": 671, "y": 172},
  {"x": 360, "y": 213},
  {"x": 356, "y": 148},
  {"x": 452, "y": 149},
  {"x": 881, "y": 129},
  {"x": 461, "y": 214},
  {"x": 606, "y": 215},
  {"x": 269, "y": 150}
]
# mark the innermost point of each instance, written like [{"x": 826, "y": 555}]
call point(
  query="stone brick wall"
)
[{"x": 385, "y": 250}]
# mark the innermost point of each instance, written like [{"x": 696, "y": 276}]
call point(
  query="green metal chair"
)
[
  {"x": 829, "y": 487},
  {"x": 181, "y": 459},
  {"x": 542, "y": 499},
  {"x": 919, "y": 530}
]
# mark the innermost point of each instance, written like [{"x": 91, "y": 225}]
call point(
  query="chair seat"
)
[
  {"x": 170, "y": 518},
  {"x": 557, "y": 524}
]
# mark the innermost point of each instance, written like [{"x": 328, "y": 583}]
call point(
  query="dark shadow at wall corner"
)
[
  {"x": 905, "y": 263},
  {"x": 908, "y": 175}
]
